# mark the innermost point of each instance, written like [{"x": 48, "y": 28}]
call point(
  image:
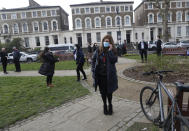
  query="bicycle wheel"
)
[{"x": 149, "y": 102}]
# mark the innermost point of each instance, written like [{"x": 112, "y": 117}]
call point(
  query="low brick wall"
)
[{"x": 174, "y": 51}]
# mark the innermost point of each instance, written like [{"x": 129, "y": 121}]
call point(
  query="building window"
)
[
  {"x": 87, "y": 10},
  {"x": 179, "y": 31},
  {"x": 169, "y": 31},
  {"x": 117, "y": 9},
  {"x": 131, "y": 8},
  {"x": 25, "y": 27},
  {"x": 89, "y": 38},
  {"x": 55, "y": 39},
  {"x": 36, "y": 26},
  {"x": 109, "y": 33},
  {"x": 46, "y": 40},
  {"x": 15, "y": 29},
  {"x": 3, "y": 16},
  {"x": 127, "y": 20},
  {"x": 108, "y": 9},
  {"x": 23, "y": 15},
  {"x": 54, "y": 25},
  {"x": 159, "y": 31},
  {"x": 136, "y": 36},
  {"x": 118, "y": 21},
  {"x": 5, "y": 29},
  {"x": 187, "y": 30},
  {"x": 45, "y": 26},
  {"x": 78, "y": 24},
  {"x": 118, "y": 35},
  {"x": 109, "y": 21},
  {"x": 187, "y": 4},
  {"x": 98, "y": 37},
  {"x": 169, "y": 17},
  {"x": 187, "y": 16},
  {"x": 34, "y": 14},
  {"x": 13, "y": 16},
  {"x": 77, "y": 10},
  {"x": 159, "y": 18},
  {"x": 26, "y": 40},
  {"x": 150, "y": 18},
  {"x": 65, "y": 40},
  {"x": 87, "y": 23},
  {"x": 97, "y": 22},
  {"x": 126, "y": 8},
  {"x": 71, "y": 40},
  {"x": 53, "y": 12},
  {"x": 178, "y": 4},
  {"x": 142, "y": 35},
  {"x": 37, "y": 41},
  {"x": 44, "y": 13},
  {"x": 97, "y": 10},
  {"x": 179, "y": 16},
  {"x": 150, "y": 6}
]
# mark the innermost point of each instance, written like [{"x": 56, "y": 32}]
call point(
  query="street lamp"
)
[{"x": 119, "y": 33}]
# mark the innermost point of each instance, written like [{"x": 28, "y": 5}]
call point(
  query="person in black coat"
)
[
  {"x": 80, "y": 60},
  {"x": 104, "y": 71},
  {"x": 4, "y": 56},
  {"x": 16, "y": 59},
  {"x": 48, "y": 66},
  {"x": 159, "y": 48},
  {"x": 143, "y": 48}
]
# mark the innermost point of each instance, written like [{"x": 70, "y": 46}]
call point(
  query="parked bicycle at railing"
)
[{"x": 151, "y": 101}]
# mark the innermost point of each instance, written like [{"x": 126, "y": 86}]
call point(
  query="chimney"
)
[
  {"x": 101, "y": 1},
  {"x": 32, "y": 3}
]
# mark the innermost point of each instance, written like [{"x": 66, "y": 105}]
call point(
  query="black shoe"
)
[
  {"x": 84, "y": 79},
  {"x": 110, "y": 111},
  {"x": 5, "y": 72},
  {"x": 105, "y": 110}
]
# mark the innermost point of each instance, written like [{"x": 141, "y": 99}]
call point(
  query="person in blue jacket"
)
[
  {"x": 80, "y": 60},
  {"x": 104, "y": 71}
]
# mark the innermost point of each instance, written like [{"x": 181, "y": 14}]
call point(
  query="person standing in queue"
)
[
  {"x": 4, "y": 56},
  {"x": 158, "y": 44},
  {"x": 104, "y": 71},
  {"x": 16, "y": 59},
  {"x": 143, "y": 49}
]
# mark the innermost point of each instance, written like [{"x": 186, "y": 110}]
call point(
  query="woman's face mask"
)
[{"x": 106, "y": 44}]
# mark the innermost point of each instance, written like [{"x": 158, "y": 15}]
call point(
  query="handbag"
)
[{"x": 43, "y": 69}]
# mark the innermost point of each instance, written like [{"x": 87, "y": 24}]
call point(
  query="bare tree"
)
[{"x": 164, "y": 6}]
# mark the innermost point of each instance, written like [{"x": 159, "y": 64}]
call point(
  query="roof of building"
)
[
  {"x": 103, "y": 3},
  {"x": 139, "y": 5}
]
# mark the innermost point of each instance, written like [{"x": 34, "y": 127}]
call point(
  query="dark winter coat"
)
[
  {"x": 145, "y": 46},
  {"x": 3, "y": 56},
  {"x": 48, "y": 66},
  {"x": 80, "y": 59},
  {"x": 158, "y": 44},
  {"x": 112, "y": 82},
  {"x": 16, "y": 55}
]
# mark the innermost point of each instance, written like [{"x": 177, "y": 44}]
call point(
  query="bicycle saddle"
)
[{"x": 182, "y": 87}]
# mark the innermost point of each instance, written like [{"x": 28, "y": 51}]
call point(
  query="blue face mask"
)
[{"x": 106, "y": 44}]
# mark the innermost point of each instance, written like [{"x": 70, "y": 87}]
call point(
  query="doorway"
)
[{"x": 79, "y": 39}]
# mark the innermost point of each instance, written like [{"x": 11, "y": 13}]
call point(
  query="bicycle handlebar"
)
[{"x": 157, "y": 72}]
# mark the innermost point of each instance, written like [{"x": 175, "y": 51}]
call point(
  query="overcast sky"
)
[{"x": 65, "y": 4}]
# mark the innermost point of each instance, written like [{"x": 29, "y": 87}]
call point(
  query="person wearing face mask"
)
[
  {"x": 104, "y": 71},
  {"x": 143, "y": 47}
]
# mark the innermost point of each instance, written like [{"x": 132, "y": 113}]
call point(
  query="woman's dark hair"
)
[{"x": 44, "y": 51}]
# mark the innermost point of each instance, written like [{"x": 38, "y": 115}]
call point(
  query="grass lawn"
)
[
  {"x": 22, "y": 97},
  {"x": 143, "y": 127},
  {"x": 63, "y": 65}
]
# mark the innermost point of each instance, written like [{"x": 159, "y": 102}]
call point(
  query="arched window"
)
[
  {"x": 97, "y": 22},
  {"x": 88, "y": 23},
  {"x": 187, "y": 16},
  {"x": 15, "y": 28},
  {"x": 5, "y": 28},
  {"x": 159, "y": 17},
  {"x": 45, "y": 26},
  {"x": 169, "y": 17},
  {"x": 25, "y": 27},
  {"x": 54, "y": 25},
  {"x": 118, "y": 21},
  {"x": 108, "y": 21},
  {"x": 179, "y": 16},
  {"x": 150, "y": 18},
  {"x": 127, "y": 20},
  {"x": 35, "y": 26},
  {"x": 78, "y": 23}
]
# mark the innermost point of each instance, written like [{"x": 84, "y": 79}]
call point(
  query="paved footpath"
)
[{"x": 83, "y": 114}]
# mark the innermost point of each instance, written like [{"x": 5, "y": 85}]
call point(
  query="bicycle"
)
[{"x": 155, "y": 103}]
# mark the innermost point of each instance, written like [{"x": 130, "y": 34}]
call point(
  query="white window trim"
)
[
  {"x": 86, "y": 22},
  {"x": 180, "y": 31},
  {"x": 116, "y": 9},
  {"x": 22, "y": 16},
  {"x": 116, "y": 21},
  {"x": 125, "y": 8},
  {"x": 36, "y": 14},
  {"x": 149, "y": 19},
  {"x": 78, "y": 12},
  {"x": 98, "y": 10},
  {"x": 2, "y": 17},
  {"x": 3, "y": 27},
  {"x": 177, "y": 14},
  {"x": 43, "y": 25},
  {"x": 129, "y": 20},
  {"x": 186, "y": 31},
  {"x": 52, "y": 13},
  {"x": 186, "y": 4},
  {"x": 152, "y": 6},
  {"x": 42, "y": 13},
  {"x": 14, "y": 15},
  {"x": 170, "y": 16},
  {"x": 86, "y": 10},
  {"x": 110, "y": 20},
  {"x": 108, "y": 7},
  {"x": 52, "y": 25},
  {"x": 34, "y": 26},
  {"x": 180, "y": 4},
  {"x": 76, "y": 23},
  {"x": 159, "y": 21},
  {"x": 95, "y": 22},
  {"x": 186, "y": 15},
  {"x": 14, "y": 30},
  {"x": 23, "y": 27}
]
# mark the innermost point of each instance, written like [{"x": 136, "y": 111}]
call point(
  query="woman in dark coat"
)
[
  {"x": 48, "y": 66},
  {"x": 104, "y": 71}
]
